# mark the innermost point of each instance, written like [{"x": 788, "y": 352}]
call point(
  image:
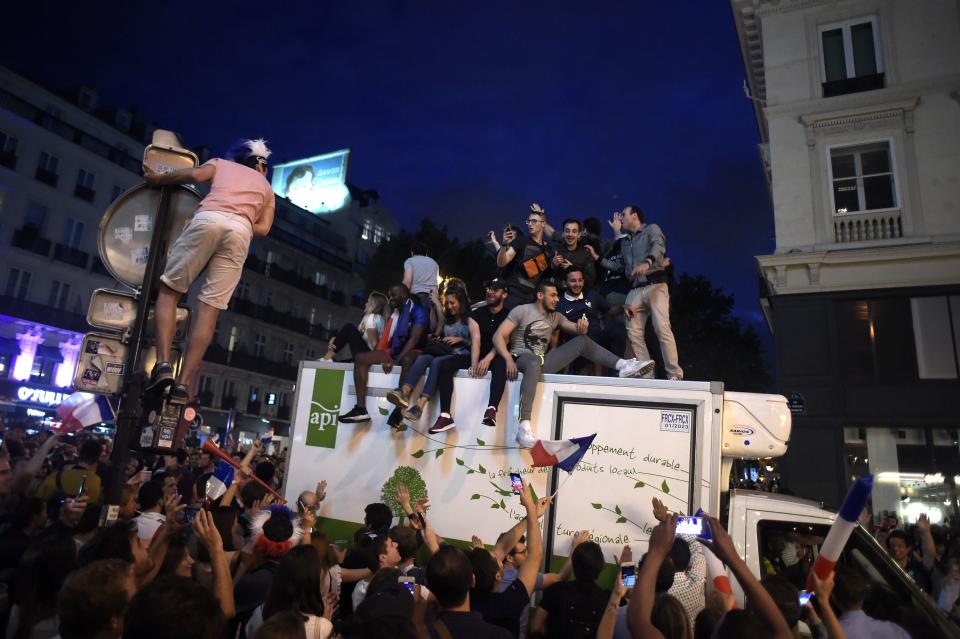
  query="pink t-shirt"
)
[{"x": 237, "y": 189}]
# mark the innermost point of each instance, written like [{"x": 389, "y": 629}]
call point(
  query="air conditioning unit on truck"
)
[{"x": 672, "y": 440}]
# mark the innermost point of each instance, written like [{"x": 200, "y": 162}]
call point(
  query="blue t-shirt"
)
[{"x": 410, "y": 315}]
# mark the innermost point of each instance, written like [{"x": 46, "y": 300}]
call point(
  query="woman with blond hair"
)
[{"x": 364, "y": 336}]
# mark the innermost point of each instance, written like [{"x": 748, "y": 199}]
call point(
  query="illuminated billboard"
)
[{"x": 317, "y": 184}]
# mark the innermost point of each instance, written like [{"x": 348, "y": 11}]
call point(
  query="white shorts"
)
[{"x": 218, "y": 241}]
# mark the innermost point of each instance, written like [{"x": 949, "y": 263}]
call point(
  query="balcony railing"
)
[
  {"x": 47, "y": 177},
  {"x": 866, "y": 227},
  {"x": 42, "y": 314},
  {"x": 72, "y": 256},
  {"x": 84, "y": 193},
  {"x": 29, "y": 239},
  {"x": 239, "y": 359},
  {"x": 272, "y": 316},
  {"x": 853, "y": 85}
]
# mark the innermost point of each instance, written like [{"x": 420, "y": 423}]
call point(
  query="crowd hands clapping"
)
[
  {"x": 566, "y": 301},
  {"x": 180, "y": 564}
]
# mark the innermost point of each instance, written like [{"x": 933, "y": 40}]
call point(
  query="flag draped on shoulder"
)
[{"x": 562, "y": 453}]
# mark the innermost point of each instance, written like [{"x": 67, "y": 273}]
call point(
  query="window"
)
[
  {"x": 8, "y": 151},
  {"x": 8, "y": 144},
  {"x": 85, "y": 179},
  {"x": 870, "y": 340},
  {"x": 48, "y": 162},
  {"x": 268, "y": 299},
  {"x": 319, "y": 278},
  {"x": 206, "y": 384},
  {"x": 72, "y": 233},
  {"x": 35, "y": 216},
  {"x": 862, "y": 178},
  {"x": 254, "y": 393},
  {"x": 234, "y": 338},
  {"x": 59, "y": 294},
  {"x": 367, "y": 232},
  {"x": 18, "y": 283},
  {"x": 260, "y": 342},
  {"x": 936, "y": 333},
  {"x": 850, "y": 57},
  {"x": 310, "y": 354},
  {"x": 229, "y": 388},
  {"x": 288, "y": 352},
  {"x": 377, "y": 234},
  {"x": 243, "y": 290}
]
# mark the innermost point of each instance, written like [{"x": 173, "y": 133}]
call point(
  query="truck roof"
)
[{"x": 760, "y": 494}]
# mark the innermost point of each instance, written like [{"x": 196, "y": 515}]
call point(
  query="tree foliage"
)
[
  {"x": 470, "y": 261},
  {"x": 712, "y": 342}
]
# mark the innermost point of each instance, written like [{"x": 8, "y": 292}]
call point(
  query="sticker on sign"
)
[{"x": 675, "y": 421}]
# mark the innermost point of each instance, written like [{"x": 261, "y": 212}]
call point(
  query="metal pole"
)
[{"x": 133, "y": 380}]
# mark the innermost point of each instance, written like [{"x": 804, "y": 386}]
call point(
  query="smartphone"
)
[
  {"x": 407, "y": 582},
  {"x": 516, "y": 483},
  {"x": 83, "y": 485},
  {"x": 302, "y": 507},
  {"x": 186, "y": 516},
  {"x": 690, "y": 526},
  {"x": 628, "y": 574},
  {"x": 805, "y": 597}
]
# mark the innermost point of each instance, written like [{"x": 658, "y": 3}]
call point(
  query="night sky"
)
[{"x": 461, "y": 112}]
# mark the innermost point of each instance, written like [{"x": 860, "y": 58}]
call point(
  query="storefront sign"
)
[
  {"x": 33, "y": 412},
  {"x": 39, "y": 396}
]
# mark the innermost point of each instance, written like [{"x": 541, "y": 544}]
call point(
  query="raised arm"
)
[
  {"x": 527, "y": 574},
  {"x": 202, "y": 173},
  {"x": 509, "y": 539},
  {"x": 756, "y": 594},
  {"x": 640, "y": 609},
  {"x": 209, "y": 536},
  {"x": 408, "y": 276}
]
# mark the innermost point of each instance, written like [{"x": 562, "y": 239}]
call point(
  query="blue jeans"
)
[{"x": 419, "y": 367}]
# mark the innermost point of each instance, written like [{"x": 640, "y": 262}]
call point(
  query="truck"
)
[{"x": 673, "y": 440}]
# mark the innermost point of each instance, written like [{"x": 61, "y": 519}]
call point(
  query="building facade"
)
[
  {"x": 63, "y": 160},
  {"x": 858, "y": 109}
]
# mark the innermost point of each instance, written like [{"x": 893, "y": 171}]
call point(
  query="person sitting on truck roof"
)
[
  {"x": 523, "y": 340},
  {"x": 849, "y": 591},
  {"x": 400, "y": 343}
]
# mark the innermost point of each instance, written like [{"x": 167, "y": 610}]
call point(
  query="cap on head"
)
[
  {"x": 249, "y": 152},
  {"x": 495, "y": 283}
]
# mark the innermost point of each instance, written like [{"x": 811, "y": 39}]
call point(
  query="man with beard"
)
[{"x": 523, "y": 341}]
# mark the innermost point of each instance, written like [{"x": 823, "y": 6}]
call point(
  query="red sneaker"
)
[
  {"x": 442, "y": 424},
  {"x": 490, "y": 417}
]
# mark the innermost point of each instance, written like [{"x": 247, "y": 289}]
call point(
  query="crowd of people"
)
[
  {"x": 576, "y": 303},
  {"x": 180, "y": 563}
]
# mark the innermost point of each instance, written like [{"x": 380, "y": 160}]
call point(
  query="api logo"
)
[{"x": 324, "y": 408}]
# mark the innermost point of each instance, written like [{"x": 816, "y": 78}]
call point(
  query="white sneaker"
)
[
  {"x": 636, "y": 368},
  {"x": 525, "y": 436}
]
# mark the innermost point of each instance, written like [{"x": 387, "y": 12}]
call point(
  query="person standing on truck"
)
[
  {"x": 525, "y": 260},
  {"x": 644, "y": 251},
  {"x": 239, "y": 207},
  {"x": 523, "y": 340},
  {"x": 421, "y": 274}
]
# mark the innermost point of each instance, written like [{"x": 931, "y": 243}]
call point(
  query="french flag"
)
[
  {"x": 219, "y": 481},
  {"x": 843, "y": 526},
  {"x": 80, "y": 410},
  {"x": 562, "y": 453}
]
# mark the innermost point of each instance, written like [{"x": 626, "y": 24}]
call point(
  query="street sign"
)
[
  {"x": 117, "y": 311},
  {"x": 101, "y": 364},
  {"x": 796, "y": 403},
  {"x": 126, "y": 228}
]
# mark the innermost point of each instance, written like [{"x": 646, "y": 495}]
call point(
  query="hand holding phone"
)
[
  {"x": 83, "y": 485},
  {"x": 689, "y": 526},
  {"x": 628, "y": 574},
  {"x": 805, "y": 597},
  {"x": 515, "y": 483}
]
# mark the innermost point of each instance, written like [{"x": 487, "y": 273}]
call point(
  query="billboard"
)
[{"x": 317, "y": 184}]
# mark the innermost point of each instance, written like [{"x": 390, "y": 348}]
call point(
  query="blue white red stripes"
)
[{"x": 562, "y": 453}]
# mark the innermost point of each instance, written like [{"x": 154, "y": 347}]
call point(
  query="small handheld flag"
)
[{"x": 565, "y": 454}]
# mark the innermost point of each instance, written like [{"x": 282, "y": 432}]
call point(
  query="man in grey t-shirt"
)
[
  {"x": 420, "y": 274},
  {"x": 527, "y": 330}
]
